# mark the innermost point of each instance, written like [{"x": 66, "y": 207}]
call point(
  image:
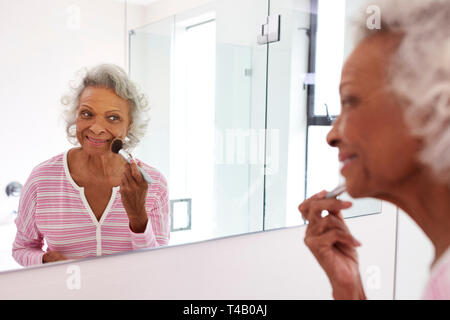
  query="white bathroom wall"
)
[
  {"x": 264, "y": 265},
  {"x": 43, "y": 44},
  {"x": 415, "y": 254},
  {"x": 161, "y": 9}
]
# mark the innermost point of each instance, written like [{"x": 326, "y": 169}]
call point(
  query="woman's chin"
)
[
  {"x": 357, "y": 189},
  {"x": 95, "y": 151}
]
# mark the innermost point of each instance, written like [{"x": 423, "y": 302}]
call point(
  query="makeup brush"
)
[
  {"x": 116, "y": 147},
  {"x": 336, "y": 191}
]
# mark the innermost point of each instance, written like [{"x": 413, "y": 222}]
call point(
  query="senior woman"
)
[
  {"x": 88, "y": 201},
  {"x": 393, "y": 137}
]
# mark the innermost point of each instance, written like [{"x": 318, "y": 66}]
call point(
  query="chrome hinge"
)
[{"x": 270, "y": 31}]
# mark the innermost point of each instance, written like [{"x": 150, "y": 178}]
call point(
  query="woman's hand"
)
[
  {"x": 133, "y": 190},
  {"x": 53, "y": 256},
  {"x": 333, "y": 246}
]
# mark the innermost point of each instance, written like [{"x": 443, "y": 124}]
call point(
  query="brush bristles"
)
[{"x": 116, "y": 145}]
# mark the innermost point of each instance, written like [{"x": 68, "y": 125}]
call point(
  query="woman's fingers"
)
[
  {"x": 52, "y": 256},
  {"x": 312, "y": 211},
  {"x": 128, "y": 178},
  {"x": 132, "y": 176},
  {"x": 136, "y": 174},
  {"x": 330, "y": 238},
  {"x": 304, "y": 206},
  {"x": 327, "y": 223},
  {"x": 318, "y": 226},
  {"x": 337, "y": 242}
]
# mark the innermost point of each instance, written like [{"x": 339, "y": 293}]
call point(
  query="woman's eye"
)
[
  {"x": 349, "y": 101},
  {"x": 87, "y": 114}
]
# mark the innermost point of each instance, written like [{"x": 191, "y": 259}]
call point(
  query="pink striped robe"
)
[
  {"x": 438, "y": 287},
  {"x": 53, "y": 207}
]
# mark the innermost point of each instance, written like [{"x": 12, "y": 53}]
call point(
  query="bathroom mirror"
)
[
  {"x": 237, "y": 125},
  {"x": 240, "y": 124}
]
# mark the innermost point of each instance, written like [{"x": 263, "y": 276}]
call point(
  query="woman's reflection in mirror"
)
[{"x": 88, "y": 201}]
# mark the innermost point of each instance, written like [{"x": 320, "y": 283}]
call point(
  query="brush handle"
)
[
  {"x": 336, "y": 191},
  {"x": 128, "y": 159},
  {"x": 145, "y": 175}
]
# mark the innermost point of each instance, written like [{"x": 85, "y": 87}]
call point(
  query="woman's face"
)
[
  {"x": 101, "y": 116},
  {"x": 376, "y": 148}
]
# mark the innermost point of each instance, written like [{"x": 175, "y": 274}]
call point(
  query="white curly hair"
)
[
  {"x": 419, "y": 72},
  {"x": 115, "y": 78}
]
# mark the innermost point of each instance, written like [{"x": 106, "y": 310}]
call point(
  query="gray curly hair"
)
[
  {"x": 419, "y": 72},
  {"x": 112, "y": 77}
]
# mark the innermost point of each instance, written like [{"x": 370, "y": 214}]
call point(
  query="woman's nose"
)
[
  {"x": 97, "y": 127},
  {"x": 333, "y": 138}
]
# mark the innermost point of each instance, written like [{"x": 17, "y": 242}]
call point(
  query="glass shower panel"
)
[
  {"x": 329, "y": 56},
  {"x": 205, "y": 77},
  {"x": 192, "y": 120},
  {"x": 239, "y": 121},
  {"x": 286, "y": 115},
  {"x": 297, "y": 66},
  {"x": 150, "y": 67}
]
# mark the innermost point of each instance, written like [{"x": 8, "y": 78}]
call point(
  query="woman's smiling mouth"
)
[
  {"x": 96, "y": 142},
  {"x": 347, "y": 160}
]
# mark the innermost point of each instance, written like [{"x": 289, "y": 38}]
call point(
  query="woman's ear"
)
[{"x": 130, "y": 123}]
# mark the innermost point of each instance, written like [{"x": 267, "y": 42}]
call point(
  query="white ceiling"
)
[
  {"x": 138, "y": 2},
  {"x": 142, "y": 2}
]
